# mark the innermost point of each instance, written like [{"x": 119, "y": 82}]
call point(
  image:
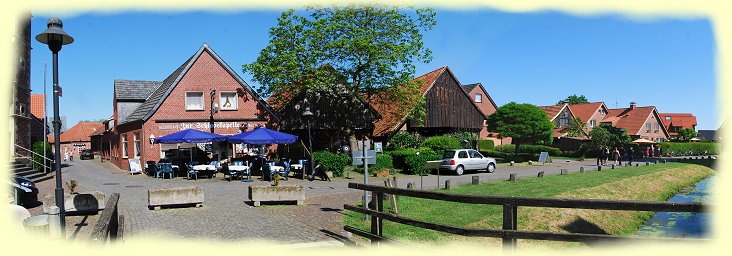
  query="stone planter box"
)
[
  {"x": 259, "y": 194},
  {"x": 175, "y": 196},
  {"x": 87, "y": 202}
]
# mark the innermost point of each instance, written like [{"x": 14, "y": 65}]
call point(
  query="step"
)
[
  {"x": 24, "y": 169},
  {"x": 17, "y": 165},
  {"x": 42, "y": 178},
  {"x": 26, "y": 173},
  {"x": 34, "y": 175}
]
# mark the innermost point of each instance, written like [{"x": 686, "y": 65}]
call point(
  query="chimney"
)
[{"x": 632, "y": 105}]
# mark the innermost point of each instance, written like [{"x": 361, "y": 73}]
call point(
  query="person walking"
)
[
  {"x": 71, "y": 156},
  {"x": 606, "y": 155},
  {"x": 66, "y": 155},
  {"x": 631, "y": 154},
  {"x": 616, "y": 156},
  {"x": 621, "y": 153},
  {"x": 599, "y": 156}
]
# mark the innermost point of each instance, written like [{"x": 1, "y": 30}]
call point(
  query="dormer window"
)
[{"x": 478, "y": 97}]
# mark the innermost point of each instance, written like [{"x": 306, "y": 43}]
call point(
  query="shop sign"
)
[{"x": 200, "y": 125}]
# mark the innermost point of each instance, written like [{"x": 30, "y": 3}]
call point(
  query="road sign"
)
[
  {"x": 377, "y": 147},
  {"x": 543, "y": 157},
  {"x": 358, "y": 156}
]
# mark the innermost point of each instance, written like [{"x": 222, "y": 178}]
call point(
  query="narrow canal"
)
[{"x": 682, "y": 224}]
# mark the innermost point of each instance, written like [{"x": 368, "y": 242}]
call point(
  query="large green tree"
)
[
  {"x": 686, "y": 134},
  {"x": 600, "y": 137},
  {"x": 373, "y": 47},
  {"x": 524, "y": 123},
  {"x": 574, "y": 99},
  {"x": 618, "y": 137}
]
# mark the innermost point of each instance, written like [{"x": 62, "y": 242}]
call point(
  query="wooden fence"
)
[
  {"x": 110, "y": 224},
  {"x": 509, "y": 232}
]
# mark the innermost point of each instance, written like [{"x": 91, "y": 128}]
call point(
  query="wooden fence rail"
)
[
  {"x": 509, "y": 232},
  {"x": 110, "y": 224}
]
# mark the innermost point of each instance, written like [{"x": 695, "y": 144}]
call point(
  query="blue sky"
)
[{"x": 537, "y": 58}]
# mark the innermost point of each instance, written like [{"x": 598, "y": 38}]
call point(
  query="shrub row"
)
[
  {"x": 688, "y": 148},
  {"x": 484, "y": 145},
  {"x": 330, "y": 161},
  {"x": 440, "y": 143},
  {"x": 533, "y": 149}
]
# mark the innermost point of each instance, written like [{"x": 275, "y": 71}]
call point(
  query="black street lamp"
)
[
  {"x": 55, "y": 38},
  {"x": 308, "y": 115},
  {"x": 214, "y": 109}
]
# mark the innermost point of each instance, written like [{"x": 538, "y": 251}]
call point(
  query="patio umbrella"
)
[
  {"x": 190, "y": 136},
  {"x": 262, "y": 136},
  {"x": 643, "y": 141}
]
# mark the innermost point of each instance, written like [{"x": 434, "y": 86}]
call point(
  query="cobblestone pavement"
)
[{"x": 227, "y": 213}]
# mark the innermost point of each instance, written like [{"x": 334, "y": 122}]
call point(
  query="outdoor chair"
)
[
  {"x": 166, "y": 168},
  {"x": 285, "y": 172},
  {"x": 191, "y": 171},
  {"x": 226, "y": 171},
  {"x": 151, "y": 169}
]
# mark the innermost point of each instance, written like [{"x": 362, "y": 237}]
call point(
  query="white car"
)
[{"x": 460, "y": 160}]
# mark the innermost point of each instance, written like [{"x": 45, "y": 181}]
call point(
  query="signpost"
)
[
  {"x": 543, "y": 157},
  {"x": 365, "y": 157},
  {"x": 429, "y": 165}
]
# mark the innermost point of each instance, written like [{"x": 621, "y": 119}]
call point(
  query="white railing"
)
[{"x": 46, "y": 168}]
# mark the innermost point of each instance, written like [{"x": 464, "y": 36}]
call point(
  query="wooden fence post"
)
[
  {"x": 509, "y": 223},
  {"x": 599, "y": 168},
  {"x": 476, "y": 180},
  {"x": 562, "y": 171},
  {"x": 447, "y": 185},
  {"x": 410, "y": 185},
  {"x": 376, "y": 222},
  {"x": 582, "y": 169},
  {"x": 541, "y": 174},
  {"x": 512, "y": 177},
  {"x": 392, "y": 197}
]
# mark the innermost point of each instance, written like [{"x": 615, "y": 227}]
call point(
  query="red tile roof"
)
[
  {"x": 585, "y": 111},
  {"x": 631, "y": 119},
  {"x": 684, "y": 120},
  {"x": 80, "y": 132},
  {"x": 391, "y": 114},
  {"x": 553, "y": 111},
  {"x": 36, "y": 105}
]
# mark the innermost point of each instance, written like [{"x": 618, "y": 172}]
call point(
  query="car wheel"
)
[
  {"x": 491, "y": 168},
  {"x": 459, "y": 170}
]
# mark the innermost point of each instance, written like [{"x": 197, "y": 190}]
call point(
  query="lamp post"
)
[
  {"x": 308, "y": 115},
  {"x": 55, "y": 38},
  {"x": 214, "y": 109}
]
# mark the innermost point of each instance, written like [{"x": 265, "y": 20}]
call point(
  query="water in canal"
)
[{"x": 682, "y": 224}]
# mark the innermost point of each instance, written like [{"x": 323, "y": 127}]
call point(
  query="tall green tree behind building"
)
[
  {"x": 524, "y": 123},
  {"x": 574, "y": 99}
]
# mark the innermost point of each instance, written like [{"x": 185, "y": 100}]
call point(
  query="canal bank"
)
[{"x": 682, "y": 224}]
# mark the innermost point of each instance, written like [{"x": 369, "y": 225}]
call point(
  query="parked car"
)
[
  {"x": 86, "y": 154},
  {"x": 460, "y": 160},
  {"x": 25, "y": 190}
]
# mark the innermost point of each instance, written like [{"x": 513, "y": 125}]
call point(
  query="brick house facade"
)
[
  {"x": 145, "y": 110},
  {"x": 480, "y": 97}
]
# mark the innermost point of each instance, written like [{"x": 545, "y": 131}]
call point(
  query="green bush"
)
[
  {"x": 37, "y": 159},
  {"x": 506, "y": 148},
  {"x": 464, "y": 136},
  {"x": 536, "y": 149},
  {"x": 414, "y": 163},
  {"x": 331, "y": 162},
  {"x": 440, "y": 143},
  {"x": 683, "y": 148},
  {"x": 399, "y": 155},
  {"x": 382, "y": 161},
  {"x": 494, "y": 154},
  {"x": 484, "y": 145},
  {"x": 402, "y": 140}
]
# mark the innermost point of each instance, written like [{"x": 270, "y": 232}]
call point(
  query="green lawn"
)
[{"x": 490, "y": 216}]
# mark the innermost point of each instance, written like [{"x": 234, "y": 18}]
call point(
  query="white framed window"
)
[
  {"x": 648, "y": 126},
  {"x": 124, "y": 146},
  {"x": 593, "y": 123},
  {"x": 136, "y": 141},
  {"x": 478, "y": 97},
  {"x": 655, "y": 127},
  {"x": 228, "y": 101},
  {"x": 194, "y": 100}
]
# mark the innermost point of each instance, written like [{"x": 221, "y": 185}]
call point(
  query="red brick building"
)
[
  {"x": 640, "y": 122},
  {"x": 204, "y": 93},
  {"x": 676, "y": 121},
  {"x": 487, "y": 106},
  {"x": 77, "y": 138}
]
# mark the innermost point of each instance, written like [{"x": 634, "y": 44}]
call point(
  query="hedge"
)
[
  {"x": 406, "y": 160},
  {"x": 37, "y": 157},
  {"x": 533, "y": 149},
  {"x": 402, "y": 140},
  {"x": 415, "y": 163},
  {"x": 688, "y": 148},
  {"x": 440, "y": 143},
  {"x": 484, "y": 145},
  {"x": 331, "y": 162}
]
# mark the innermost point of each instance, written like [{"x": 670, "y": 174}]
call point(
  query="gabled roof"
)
[
  {"x": 685, "y": 120},
  {"x": 586, "y": 110},
  {"x": 37, "y": 105},
  {"x": 553, "y": 111},
  {"x": 708, "y": 135},
  {"x": 134, "y": 89},
  {"x": 634, "y": 119},
  {"x": 470, "y": 87},
  {"x": 391, "y": 115},
  {"x": 153, "y": 102},
  {"x": 80, "y": 132}
]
